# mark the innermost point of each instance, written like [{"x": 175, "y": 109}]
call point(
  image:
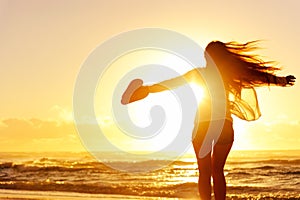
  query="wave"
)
[
  {"x": 265, "y": 167},
  {"x": 34, "y": 168},
  {"x": 183, "y": 190},
  {"x": 85, "y": 175},
  {"x": 291, "y": 173},
  {"x": 91, "y": 163},
  {"x": 269, "y": 161},
  {"x": 52, "y": 165},
  {"x": 138, "y": 190},
  {"x": 47, "y": 164}
]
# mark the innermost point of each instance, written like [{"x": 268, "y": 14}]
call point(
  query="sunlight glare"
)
[{"x": 198, "y": 91}]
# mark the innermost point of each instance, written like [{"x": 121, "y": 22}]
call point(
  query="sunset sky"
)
[{"x": 45, "y": 42}]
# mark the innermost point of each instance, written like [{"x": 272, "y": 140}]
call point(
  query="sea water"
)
[{"x": 249, "y": 175}]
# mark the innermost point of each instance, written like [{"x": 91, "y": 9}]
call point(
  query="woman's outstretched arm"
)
[
  {"x": 142, "y": 91},
  {"x": 190, "y": 76}
]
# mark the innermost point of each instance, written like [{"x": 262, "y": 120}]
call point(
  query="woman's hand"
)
[
  {"x": 290, "y": 80},
  {"x": 140, "y": 93},
  {"x": 284, "y": 80},
  {"x": 134, "y": 92}
]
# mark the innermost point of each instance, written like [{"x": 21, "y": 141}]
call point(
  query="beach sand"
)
[{"x": 45, "y": 195}]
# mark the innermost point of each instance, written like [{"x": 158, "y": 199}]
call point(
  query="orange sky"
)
[{"x": 44, "y": 43}]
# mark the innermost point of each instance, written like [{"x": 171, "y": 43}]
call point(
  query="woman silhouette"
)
[{"x": 240, "y": 71}]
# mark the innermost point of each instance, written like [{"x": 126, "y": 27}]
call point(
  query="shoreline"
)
[{"x": 9, "y": 194}]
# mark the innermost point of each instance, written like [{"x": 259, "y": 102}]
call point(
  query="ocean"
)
[{"x": 69, "y": 175}]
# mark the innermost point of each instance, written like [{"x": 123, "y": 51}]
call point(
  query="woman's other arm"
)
[
  {"x": 281, "y": 80},
  {"x": 264, "y": 78}
]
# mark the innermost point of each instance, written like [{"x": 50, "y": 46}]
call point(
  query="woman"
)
[{"x": 239, "y": 71}]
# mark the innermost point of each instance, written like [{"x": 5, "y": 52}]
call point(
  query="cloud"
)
[
  {"x": 38, "y": 135},
  {"x": 274, "y": 135},
  {"x": 44, "y": 135},
  {"x": 34, "y": 128},
  {"x": 62, "y": 113}
]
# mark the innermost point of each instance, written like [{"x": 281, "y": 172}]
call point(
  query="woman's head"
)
[
  {"x": 215, "y": 49},
  {"x": 217, "y": 53}
]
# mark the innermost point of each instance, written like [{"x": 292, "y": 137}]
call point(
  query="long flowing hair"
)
[{"x": 238, "y": 65}]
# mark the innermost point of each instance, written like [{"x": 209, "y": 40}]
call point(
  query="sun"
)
[{"x": 198, "y": 91}]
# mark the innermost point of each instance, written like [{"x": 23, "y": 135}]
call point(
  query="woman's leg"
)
[
  {"x": 204, "y": 163},
  {"x": 219, "y": 157},
  {"x": 204, "y": 167},
  {"x": 204, "y": 181}
]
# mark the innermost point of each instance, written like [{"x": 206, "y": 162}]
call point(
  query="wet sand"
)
[{"x": 44, "y": 195}]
